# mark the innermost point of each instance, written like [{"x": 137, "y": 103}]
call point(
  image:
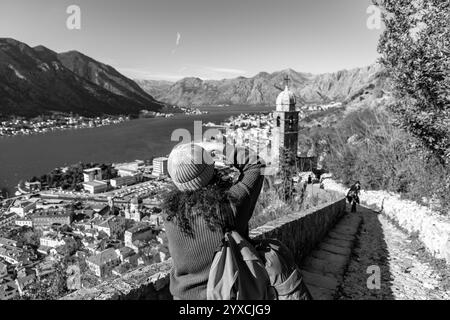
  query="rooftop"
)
[
  {"x": 140, "y": 228},
  {"x": 103, "y": 257},
  {"x": 92, "y": 170},
  {"x": 286, "y": 100},
  {"x": 95, "y": 183}
]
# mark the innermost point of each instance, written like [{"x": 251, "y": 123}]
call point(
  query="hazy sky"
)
[{"x": 171, "y": 39}]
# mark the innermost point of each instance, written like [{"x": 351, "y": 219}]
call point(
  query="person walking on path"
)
[
  {"x": 353, "y": 195},
  {"x": 202, "y": 206}
]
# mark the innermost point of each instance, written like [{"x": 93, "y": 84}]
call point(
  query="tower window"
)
[{"x": 278, "y": 122}]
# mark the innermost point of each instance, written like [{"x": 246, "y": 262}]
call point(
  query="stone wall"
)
[
  {"x": 433, "y": 230},
  {"x": 301, "y": 232}
]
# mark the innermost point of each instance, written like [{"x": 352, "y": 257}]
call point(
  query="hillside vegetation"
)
[{"x": 369, "y": 147}]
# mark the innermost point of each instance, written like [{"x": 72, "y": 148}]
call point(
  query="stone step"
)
[
  {"x": 321, "y": 293},
  {"x": 341, "y": 236},
  {"x": 319, "y": 280},
  {"x": 335, "y": 249},
  {"x": 339, "y": 243},
  {"x": 325, "y": 267},
  {"x": 332, "y": 258}
]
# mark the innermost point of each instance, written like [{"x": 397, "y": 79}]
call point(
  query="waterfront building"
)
[
  {"x": 160, "y": 167},
  {"x": 23, "y": 207},
  {"x": 123, "y": 181},
  {"x": 33, "y": 186},
  {"x": 95, "y": 187},
  {"x": 92, "y": 174},
  {"x": 130, "y": 169}
]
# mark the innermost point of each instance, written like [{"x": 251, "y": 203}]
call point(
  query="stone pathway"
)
[
  {"x": 324, "y": 269},
  {"x": 343, "y": 263},
  {"x": 404, "y": 273}
]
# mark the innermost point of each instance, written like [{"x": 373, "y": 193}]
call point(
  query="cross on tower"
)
[{"x": 287, "y": 80}]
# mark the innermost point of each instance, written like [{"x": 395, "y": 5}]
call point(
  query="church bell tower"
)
[{"x": 285, "y": 133}]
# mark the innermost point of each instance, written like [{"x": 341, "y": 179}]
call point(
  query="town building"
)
[
  {"x": 95, "y": 187},
  {"x": 103, "y": 263},
  {"x": 123, "y": 181},
  {"x": 7, "y": 219},
  {"x": 134, "y": 212},
  {"x": 92, "y": 174},
  {"x": 129, "y": 169},
  {"x": 24, "y": 222},
  {"x": 46, "y": 218},
  {"x": 154, "y": 220},
  {"x": 4, "y": 242},
  {"x": 12, "y": 255},
  {"x": 160, "y": 167},
  {"x": 51, "y": 240},
  {"x": 23, "y": 282},
  {"x": 8, "y": 290},
  {"x": 33, "y": 186},
  {"x": 124, "y": 253},
  {"x": 112, "y": 226},
  {"x": 140, "y": 232},
  {"x": 23, "y": 207},
  {"x": 3, "y": 270}
]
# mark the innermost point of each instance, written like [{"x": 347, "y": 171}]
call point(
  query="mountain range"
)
[
  {"x": 345, "y": 86},
  {"x": 37, "y": 80}
]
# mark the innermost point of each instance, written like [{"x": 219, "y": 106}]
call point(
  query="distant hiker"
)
[
  {"x": 353, "y": 195},
  {"x": 202, "y": 206},
  {"x": 322, "y": 186}
]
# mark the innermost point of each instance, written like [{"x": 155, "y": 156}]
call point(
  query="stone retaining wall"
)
[
  {"x": 432, "y": 229},
  {"x": 301, "y": 232}
]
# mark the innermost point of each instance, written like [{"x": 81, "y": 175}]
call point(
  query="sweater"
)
[{"x": 192, "y": 256}]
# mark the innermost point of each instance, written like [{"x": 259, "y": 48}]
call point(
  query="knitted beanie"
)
[{"x": 190, "y": 167}]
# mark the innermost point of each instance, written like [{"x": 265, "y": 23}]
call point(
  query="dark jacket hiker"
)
[{"x": 353, "y": 195}]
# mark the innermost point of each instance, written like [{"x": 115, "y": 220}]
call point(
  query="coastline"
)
[{"x": 25, "y": 156}]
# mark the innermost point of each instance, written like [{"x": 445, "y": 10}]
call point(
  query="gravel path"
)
[{"x": 405, "y": 271}]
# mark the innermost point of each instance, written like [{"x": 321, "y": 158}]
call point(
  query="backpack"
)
[
  {"x": 238, "y": 273},
  {"x": 285, "y": 276}
]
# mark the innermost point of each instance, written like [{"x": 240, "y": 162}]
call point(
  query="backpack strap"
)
[{"x": 290, "y": 285}]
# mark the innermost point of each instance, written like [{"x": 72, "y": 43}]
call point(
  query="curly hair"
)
[{"x": 211, "y": 202}]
